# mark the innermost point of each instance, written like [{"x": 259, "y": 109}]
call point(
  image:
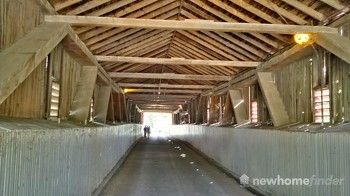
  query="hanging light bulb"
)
[{"x": 301, "y": 38}]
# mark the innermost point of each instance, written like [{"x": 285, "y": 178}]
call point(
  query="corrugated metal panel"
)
[
  {"x": 70, "y": 161},
  {"x": 261, "y": 153}
]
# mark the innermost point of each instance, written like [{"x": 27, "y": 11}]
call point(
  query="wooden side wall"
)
[
  {"x": 17, "y": 18},
  {"x": 294, "y": 83}
]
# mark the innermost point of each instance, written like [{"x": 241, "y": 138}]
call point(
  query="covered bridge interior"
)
[{"x": 258, "y": 88}]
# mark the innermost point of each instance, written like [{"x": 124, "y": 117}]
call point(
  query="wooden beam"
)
[
  {"x": 336, "y": 44},
  {"x": 172, "y": 91},
  {"x": 176, "y": 61},
  {"x": 158, "y": 102},
  {"x": 162, "y": 96},
  {"x": 191, "y": 25},
  {"x": 158, "y": 111},
  {"x": 101, "y": 103},
  {"x": 165, "y": 86},
  {"x": 80, "y": 107},
  {"x": 273, "y": 99},
  {"x": 21, "y": 58},
  {"x": 63, "y": 4},
  {"x": 169, "y": 76}
]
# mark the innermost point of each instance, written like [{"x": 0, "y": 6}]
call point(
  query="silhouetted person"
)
[{"x": 146, "y": 131}]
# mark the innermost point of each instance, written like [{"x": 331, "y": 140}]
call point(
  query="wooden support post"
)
[
  {"x": 20, "y": 59},
  {"x": 101, "y": 103},
  {"x": 273, "y": 99},
  {"x": 84, "y": 91},
  {"x": 239, "y": 106}
]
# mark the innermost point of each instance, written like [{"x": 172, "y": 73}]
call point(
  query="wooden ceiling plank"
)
[
  {"x": 177, "y": 53},
  {"x": 180, "y": 46},
  {"x": 122, "y": 39},
  {"x": 251, "y": 48},
  {"x": 141, "y": 46},
  {"x": 239, "y": 52},
  {"x": 192, "y": 49},
  {"x": 167, "y": 12},
  {"x": 64, "y": 4},
  {"x": 305, "y": 9},
  {"x": 241, "y": 35},
  {"x": 87, "y": 6},
  {"x": 260, "y": 53},
  {"x": 187, "y": 52},
  {"x": 94, "y": 39},
  {"x": 256, "y": 11},
  {"x": 285, "y": 13},
  {"x": 118, "y": 39},
  {"x": 123, "y": 13},
  {"x": 334, "y": 3},
  {"x": 138, "y": 42},
  {"x": 212, "y": 45},
  {"x": 228, "y": 19},
  {"x": 243, "y": 17},
  {"x": 103, "y": 11},
  {"x": 153, "y": 53}
]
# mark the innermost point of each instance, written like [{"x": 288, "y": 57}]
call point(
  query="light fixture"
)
[{"x": 301, "y": 38}]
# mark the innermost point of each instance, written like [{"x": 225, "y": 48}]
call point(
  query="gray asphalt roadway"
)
[{"x": 164, "y": 167}]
